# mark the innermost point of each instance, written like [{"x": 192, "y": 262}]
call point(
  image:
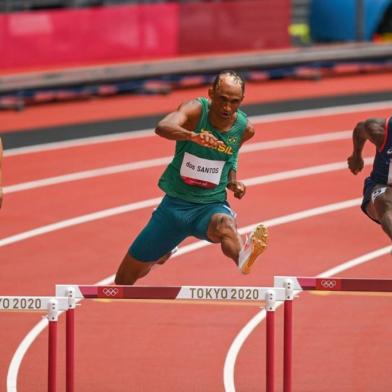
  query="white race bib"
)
[{"x": 204, "y": 173}]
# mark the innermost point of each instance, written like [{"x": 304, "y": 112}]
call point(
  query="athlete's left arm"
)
[
  {"x": 248, "y": 133},
  {"x": 238, "y": 187}
]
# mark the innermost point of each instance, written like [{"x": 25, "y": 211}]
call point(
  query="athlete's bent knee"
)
[{"x": 220, "y": 226}]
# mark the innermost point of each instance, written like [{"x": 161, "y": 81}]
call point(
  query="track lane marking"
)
[
  {"x": 16, "y": 361},
  {"x": 237, "y": 343},
  {"x": 149, "y": 163},
  {"x": 269, "y": 178},
  {"x": 283, "y": 116}
]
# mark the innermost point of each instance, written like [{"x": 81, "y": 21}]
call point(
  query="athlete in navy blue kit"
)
[{"x": 377, "y": 191}]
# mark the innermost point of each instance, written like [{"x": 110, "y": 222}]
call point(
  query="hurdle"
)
[
  {"x": 295, "y": 284},
  {"x": 52, "y": 306},
  {"x": 285, "y": 289},
  {"x": 270, "y": 296}
]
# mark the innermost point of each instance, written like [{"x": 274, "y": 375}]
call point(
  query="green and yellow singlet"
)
[{"x": 199, "y": 174}]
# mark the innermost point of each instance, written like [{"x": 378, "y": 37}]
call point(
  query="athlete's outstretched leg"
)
[
  {"x": 154, "y": 245},
  {"x": 131, "y": 270}
]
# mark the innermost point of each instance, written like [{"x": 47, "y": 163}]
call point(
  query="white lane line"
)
[
  {"x": 305, "y": 171},
  {"x": 328, "y": 111},
  {"x": 296, "y": 141},
  {"x": 79, "y": 220},
  {"x": 269, "y": 178},
  {"x": 85, "y": 141},
  {"x": 126, "y": 167},
  {"x": 333, "y": 110},
  {"x": 354, "y": 262},
  {"x": 232, "y": 354},
  {"x": 16, "y": 361},
  {"x": 83, "y": 175}
]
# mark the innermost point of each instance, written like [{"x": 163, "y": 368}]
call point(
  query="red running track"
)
[{"x": 339, "y": 341}]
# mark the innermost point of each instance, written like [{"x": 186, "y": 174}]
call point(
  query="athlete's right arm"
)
[
  {"x": 371, "y": 129},
  {"x": 179, "y": 125}
]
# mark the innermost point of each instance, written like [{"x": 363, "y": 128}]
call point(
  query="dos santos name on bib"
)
[{"x": 203, "y": 169}]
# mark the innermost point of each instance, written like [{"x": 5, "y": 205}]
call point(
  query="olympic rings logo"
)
[
  {"x": 328, "y": 284},
  {"x": 110, "y": 291}
]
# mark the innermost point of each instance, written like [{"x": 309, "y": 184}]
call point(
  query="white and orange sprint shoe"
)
[{"x": 254, "y": 246}]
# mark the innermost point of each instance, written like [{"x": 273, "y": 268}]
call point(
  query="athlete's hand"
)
[
  {"x": 207, "y": 139},
  {"x": 355, "y": 163},
  {"x": 238, "y": 188}
]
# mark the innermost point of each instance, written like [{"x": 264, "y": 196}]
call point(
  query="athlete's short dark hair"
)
[{"x": 231, "y": 73}]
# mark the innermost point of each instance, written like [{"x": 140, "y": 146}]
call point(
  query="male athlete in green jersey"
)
[{"x": 208, "y": 135}]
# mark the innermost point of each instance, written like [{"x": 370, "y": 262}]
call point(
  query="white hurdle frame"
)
[
  {"x": 191, "y": 294},
  {"x": 52, "y": 306}
]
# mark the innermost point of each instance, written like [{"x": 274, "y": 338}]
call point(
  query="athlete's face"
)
[{"x": 226, "y": 97}]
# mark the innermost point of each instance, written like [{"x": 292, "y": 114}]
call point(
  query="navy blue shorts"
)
[
  {"x": 171, "y": 223},
  {"x": 368, "y": 187}
]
